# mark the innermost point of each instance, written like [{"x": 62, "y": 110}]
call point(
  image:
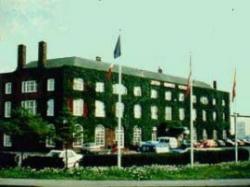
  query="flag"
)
[
  {"x": 117, "y": 51},
  {"x": 189, "y": 79},
  {"x": 234, "y": 87}
]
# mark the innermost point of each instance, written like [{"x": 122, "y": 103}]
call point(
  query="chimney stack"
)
[
  {"x": 215, "y": 85},
  {"x": 42, "y": 54},
  {"x": 159, "y": 70},
  {"x": 21, "y": 56}
]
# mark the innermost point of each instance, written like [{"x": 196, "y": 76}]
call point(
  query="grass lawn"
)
[{"x": 156, "y": 172}]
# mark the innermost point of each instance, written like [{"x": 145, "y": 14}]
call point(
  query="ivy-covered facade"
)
[{"x": 152, "y": 102}]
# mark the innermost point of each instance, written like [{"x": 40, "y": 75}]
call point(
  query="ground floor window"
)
[
  {"x": 7, "y": 140},
  {"x": 50, "y": 140},
  {"x": 195, "y": 134},
  {"x": 79, "y": 136},
  {"x": 154, "y": 134},
  {"x": 136, "y": 135},
  {"x": 224, "y": 134},
  {"x": 121, "y": 135},
  {"x": 204, "y": 134},
  {"x": 215, "y": 134},
  {"x": 100, "y": 135}
]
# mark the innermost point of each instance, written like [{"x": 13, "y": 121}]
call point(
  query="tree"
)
[
  {"x": 67, "y": 131},
  {"x": 23, "y": 126}
]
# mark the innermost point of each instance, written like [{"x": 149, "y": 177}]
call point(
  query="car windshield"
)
[{"x": 54, "y": 154}]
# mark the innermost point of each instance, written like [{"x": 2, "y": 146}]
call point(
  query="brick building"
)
[{"x": 153, "y": 102}]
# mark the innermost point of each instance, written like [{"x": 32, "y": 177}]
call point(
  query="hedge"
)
[
  {"x": 39, "y": 162},
  {"x": 210, "y": 157},
  {"x": 7, "y": 160}
]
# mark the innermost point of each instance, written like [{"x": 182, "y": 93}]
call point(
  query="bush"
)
[
  {"x": 210, "y": 157},
  {"x": 7, "y": 160},
  {"x": 39, "y": 162}
]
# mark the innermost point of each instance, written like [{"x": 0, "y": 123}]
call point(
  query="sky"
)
[{"x": 154, "y": 33}]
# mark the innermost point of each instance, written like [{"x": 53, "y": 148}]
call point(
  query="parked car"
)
[
  {"x": 73, "y": 157},
  {"x": 246, "y": 141},
  {"x": 91, "y": 147},
  {"x": 169, "y": 140},
  {"x": 156, "y": 147},
  {"x": 229, "y": 142}
]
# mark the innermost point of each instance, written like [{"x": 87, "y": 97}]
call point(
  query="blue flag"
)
[{"x": 117, "y": 51}]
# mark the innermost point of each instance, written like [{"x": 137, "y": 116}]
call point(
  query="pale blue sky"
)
[{"x": 154, "y": 33}]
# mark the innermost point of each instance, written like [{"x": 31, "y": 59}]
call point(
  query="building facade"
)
[{"x": 152, "y": 102}]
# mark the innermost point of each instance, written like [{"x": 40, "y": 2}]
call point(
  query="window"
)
[
  {"x": 51, "y": 85},
  {"x": 137, "y": 111},
  {"x": 137, "y": 91},
  {"x": 50, "y": 107},
  {"x": 214, "y": 116},
  {"x": 78, "y": 84},
  {"x": 181, "y": 96},
  {"x": 168, "y": 96},
  {"x": 117, "y": 89},
  {"x": 50, "y": 140},
  {"x": 7, "y": 140},
  {"x": 100, "y": 135},
  {"x": 194, "y": 99},
  {"x": 154, "y": 134},
  {"x": 121, "y": 135},
  {"x": 99, "y": 87},
  {"x": 119, "y": 109},
  {"x": 8, "y": 88},
  {"x": 99, "y": 109},
  {"x": 204, "y": 115},
  {"x": 136, "y": 135},
  {"x": 154, "y": 112},
  {"x": 154, "y": 94},
  {"x": 168, "y": 113},
  {"x": 30, "y": 106},
  {"x": 194, "y": 134},
  {"x": 169, "y": 85},
  {"x": 29, "y": 86},
  {"x": 194, "y": 114},
  {"x": 223, "y": 116},
  {"x": 78, "y": 107},
  {"x": 7, "y": 109},
  {"x": 182, "y": 87},
  {"x": 156, "y": 83},
  {"x": 78, "y": 136},
  {"x": 204, "y": 134},
  {"x": 214, "y": 101},
  {"x": 223, "y": 102},
  {"x": 204, "y": 100},
  {"x": 215, "y": 134},
  {"x": 181, "y": 113}
]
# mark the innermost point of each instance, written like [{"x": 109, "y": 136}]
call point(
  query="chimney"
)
[
  {"x": 215, "y": 85},
  {"x": 159, "y": 70},
  {"x": 42, "y": 54},
  {"x": 21, "y": 56},
  {"x": 98, "y": 59}
]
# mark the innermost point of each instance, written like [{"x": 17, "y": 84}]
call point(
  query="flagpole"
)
[
  {"x": 119, "y": 116},
  {"x": 191, "y": 118}
]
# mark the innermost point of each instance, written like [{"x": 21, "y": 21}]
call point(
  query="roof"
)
[{"x": 102, "y": 66}]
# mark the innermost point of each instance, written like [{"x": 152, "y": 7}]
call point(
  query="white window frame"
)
[
  {"x": 100, "y": 135},
  {"x": 78, "y": 107},
  {"x": 215, "y": 134},
  {"x": 154, "y": 134},
  {"x": 50, "y": 85},
  {"x": 137, "y": 111},
  {"x": 214, "y": 101},
  {"x": 137, "y": 134},
  {"x": 99, "y": 109},
  {"x": 7, "y": 141},
  {"x": 153, "y": 94},
  {"x": 8, "y": 88},
  {"x": 168, "y": 113},
  {"x": 119, "y": 88},
  {"x": 214, "y": 116},
  {"x": 78, "y": 84},
  {"x": 7, "y": 109},
  {"x": 29, "y": 86},
  {"x": 194, "y": 114},
  {"x": 50, "y": 143},
  {"x": 30, "y": 106},
  {"x": 181, "y": 114},
  {"x": 99, "y": 87},
  {"x": 137, "y": 91},
  {"x": 204, "y": 100},
  {"x": 204, "y": 134},
  {"x": 181, "y": 97},
  {"x": 79, "y": 141},
  {"x": 194, "y": 99},
  {"x": 121, "y": 137},
  {"x": 168, "y": 95},
  {"x": 119, "y": 109},
  {"x": 204, "y": 115},
  {"x": 154, "y": 112},
  {"x": 50, "y": 107}
]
